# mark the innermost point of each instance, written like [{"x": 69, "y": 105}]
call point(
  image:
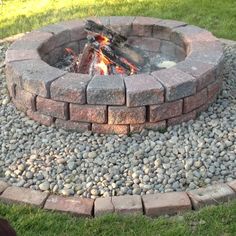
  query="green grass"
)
[
  {"x": 218, "y": 16},
  {"x": 27, "y": 221}
]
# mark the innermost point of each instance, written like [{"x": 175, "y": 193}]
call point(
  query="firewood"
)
[
  {"x": 111, "y": 55},
  {"x": 99, "y": 29},
  {"x": 85, "y": 59}
]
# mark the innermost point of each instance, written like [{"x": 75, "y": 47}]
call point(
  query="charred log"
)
[
  {"x": 85, "y": 59},
  {"x": 114, "y": 37}
]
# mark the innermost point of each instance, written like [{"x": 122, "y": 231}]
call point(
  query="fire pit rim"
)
[{"x": 123, "y": 104}]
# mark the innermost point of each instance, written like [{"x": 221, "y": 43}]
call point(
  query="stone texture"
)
[
  {"x": 211, "y": 195},
  {"x": 195, "y": 101},
  {"x": 76, "y": 29},
  {"x": 121, "y": 24},
  {"x": 145, "y": 43},
  {"x": 148, "y": 125},
  {"x": 167, "y": 48},
  {"x": 88, "y": 113},
  {"x": 103, "y": 206},
  {"x": 18, "y": 55},
  {"x": 203, "y": 72},
  {"x": 71, "y": 125},
  {"x": 232, "y": 184},
  {"x": 110, "y": 129},
  {"x": 70, "y": 88},
  {"x": 177, "y": 84},
  {"x": 26, "y": 99},
  {"x": 183, "y": 118},
  {"x": 213, "y": 89},
  {"x": 166, "y": 203},
  {"x": 61, "y": 35},
  {"x": 106, "y": 90},
  {"x": 41, "y": 118},
  {"x": 190, "y": 34},
  {"x": 126, "y": 115},
  {"x": 142, "y": 26},
  {"x": 143, "y": 90},
  {"x": 165, "y": 111},
  {"x": 207, "y": 52},
  {"x": 74, "y": 205},
  {"x": 34, "y": 76},
  {"x": 128, "y": 204},
  {"x": 3, "y": 186},
  {"x": 52, "y": 108},
  {"x": 24, "y": 195}
]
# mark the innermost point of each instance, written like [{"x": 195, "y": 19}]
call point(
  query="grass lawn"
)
[
  {"x": 218, "y": 16},
  {"x": 27, "y": 221}
]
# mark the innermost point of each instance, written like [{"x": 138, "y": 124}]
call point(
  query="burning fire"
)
[{"x": 102, "y": 64}]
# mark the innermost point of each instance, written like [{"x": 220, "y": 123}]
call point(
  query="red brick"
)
[
  {"x": 61, "y": 35},
  {"x": 143, "y": 90},
  {"x": 3, "y": 186},
  {"x": 192, "y": 33},
  {"x": 183, "y": 118},
  {"x": 106, "y": 90},
  {"x": 41, "y": 118},
  {"x": 19, "y": 105},
  {"x": 34, "y": 76},
  {"x": 177, "y": 84},
  {"x": 76, "y": 29},
  {"x": 24, "y": 195},
  {"x": 71, "y": 125},
  {"x": 75, "y": 205},
  {"x": 207, "y": 52},
  {"x": 70, "y": 88},
  {"x": 148, "y": 125},
  {"x": 88, "y": 113},
  {"x": 164, "y": 28},
  {"x": 171, "y": 23},
  {"x": 168, "y": 48},
  {"x": 232, "y": 184},
  {"x": 25, "y": 98},
  {"x": 165, "y": 111},
  {"x": 166, "y": 203},
  {"x": 110, "y": 129},
  {"x": 11, "y": 88},
  {"x": 103, "y": 206},
  {"x": 149, "y": 44},
  {"x": 213, "y": 89},
  {"x": 195, "y": 101},
  {"x": 52, "y": 108},
  {"x": 143, "y": 26},
  {"x": 36, "y": 36},
  {"x": 18, "y": 55},
  {"x": 211, "y": 195},
  {"x": 121, "y": 24},
  {"x": 128, "y": 204},
  {"x": 202, "y": 108},
  {"x": 126, "y": 115},
  {"x": 203, "y": 72}
]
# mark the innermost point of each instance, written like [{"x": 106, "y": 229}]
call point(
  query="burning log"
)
[
  {"x": 85, "y": 59},
  {"x": 106, "y": 52},
  {"x": 117, "y": 45},
  {"x": 98, "y": 29}
]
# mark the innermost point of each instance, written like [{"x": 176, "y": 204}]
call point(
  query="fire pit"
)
[{"x": 178, "y": 76}]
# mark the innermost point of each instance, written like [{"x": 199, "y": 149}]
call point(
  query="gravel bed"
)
[{"x": 186, "y": 156}]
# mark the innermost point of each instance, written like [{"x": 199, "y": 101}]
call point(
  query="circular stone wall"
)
[{"x": 115, "y": 104}]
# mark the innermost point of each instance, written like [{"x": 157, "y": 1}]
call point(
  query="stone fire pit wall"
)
[{"x": 115, "y": 104}]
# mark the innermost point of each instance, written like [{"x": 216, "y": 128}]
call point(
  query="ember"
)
[{"x": 106, "y": 52}]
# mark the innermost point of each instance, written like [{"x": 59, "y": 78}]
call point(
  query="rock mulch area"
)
[{"x": 185, "y": 157}]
